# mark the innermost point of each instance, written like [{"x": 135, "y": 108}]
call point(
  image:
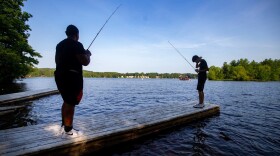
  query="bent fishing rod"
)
[
  {"x": 181, "y": 55},
  {"x": 103, "y": 26}
]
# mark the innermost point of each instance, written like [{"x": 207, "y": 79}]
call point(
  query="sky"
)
[{"x": 136, "y": 38}]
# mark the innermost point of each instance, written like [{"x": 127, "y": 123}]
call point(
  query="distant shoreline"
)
[{"x": 49, "y": 72}]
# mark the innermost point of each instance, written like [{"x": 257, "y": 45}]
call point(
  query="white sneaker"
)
[
  {"x": 73, "y": 132},
  {"x": 199, "y": 105}
]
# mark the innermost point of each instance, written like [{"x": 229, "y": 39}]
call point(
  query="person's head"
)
[
  {"x": 72, "y": 32},
  {"x": 195, "y": 58}
]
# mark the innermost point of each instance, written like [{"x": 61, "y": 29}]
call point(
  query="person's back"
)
[
  {"x": 203, "y": 68},
  {"x": 65, "y": 57}
]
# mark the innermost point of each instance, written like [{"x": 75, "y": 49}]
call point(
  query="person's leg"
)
[
  {"x": 199, "y": 88},
  {"x": 201, "y": 97},
  {"x": 67, "y": 111}
]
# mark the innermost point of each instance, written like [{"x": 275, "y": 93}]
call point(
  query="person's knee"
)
[{"x": 68, "y": 106}]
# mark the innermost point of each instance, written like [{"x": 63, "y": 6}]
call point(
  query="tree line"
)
[
  {"x": 244, "y": 70},
  {"x": 49, "y": 72},
  {"x": 236, "y": 70}
]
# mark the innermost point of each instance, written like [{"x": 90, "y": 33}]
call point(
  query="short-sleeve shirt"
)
[
  {"x": 65, "y": 56},
  {"x": 203, "y": 66}
]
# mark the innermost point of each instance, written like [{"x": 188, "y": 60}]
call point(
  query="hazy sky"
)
[{"x": 136, "y": 38}]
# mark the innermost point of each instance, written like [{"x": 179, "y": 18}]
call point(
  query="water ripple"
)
[{"x": 247, "y": 125}]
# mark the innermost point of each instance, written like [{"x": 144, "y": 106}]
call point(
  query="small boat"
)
[{"x": 184, "y": 77}]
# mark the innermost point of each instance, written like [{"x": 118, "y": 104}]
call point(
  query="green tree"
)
[
  {"x": 240, "y": 74},
  {"x": 274, "y": 68},
  {"x": 226, "y": 70},
  {"x": 243, "y": 62},
  {"x": 17, "y": 56},
  {"x": 263, "y": 72},
  {"x": 215, "y": 73},
  {"x": 252, "y": 70}
]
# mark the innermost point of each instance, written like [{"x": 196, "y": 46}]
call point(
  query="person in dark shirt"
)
[
  {"x": 70, "y": 58},
  {"x": 202, "y": 66}
]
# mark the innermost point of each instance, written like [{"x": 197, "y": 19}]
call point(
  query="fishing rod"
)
[
  {"x": 181, "y": 54},
  {"x": 103, "y": 26}
]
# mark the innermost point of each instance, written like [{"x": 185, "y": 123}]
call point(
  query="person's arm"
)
[
  {"x": 203, "y": 70},
  {"x": 203, "y": 66},
  {"x": 84, "y": 59}
]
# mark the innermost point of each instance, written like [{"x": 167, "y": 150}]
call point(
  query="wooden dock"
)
[
  {"x": 24, "y": 96},
  {"x": 99, "y": 130}
]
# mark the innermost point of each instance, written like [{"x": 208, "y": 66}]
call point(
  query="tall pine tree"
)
[{"x": 16, "y": 55}]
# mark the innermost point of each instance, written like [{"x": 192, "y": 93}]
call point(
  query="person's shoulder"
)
[
  {"x": 72, "y": 43},
  {"x": 79, "y": 43},
  {"x": 61, "y": 43},
  {"x": 64, "y": 41},
  {"x": 202, "y": 60}
]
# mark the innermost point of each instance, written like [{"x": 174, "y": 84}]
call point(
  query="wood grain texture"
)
[
  {"x": 99, "y": 130},
  {"x": 24, "y": 96}
]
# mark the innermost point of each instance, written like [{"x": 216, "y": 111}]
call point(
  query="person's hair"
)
[
  {"x": 194, "y": 58},
  {"x": 71, "y": 30}
]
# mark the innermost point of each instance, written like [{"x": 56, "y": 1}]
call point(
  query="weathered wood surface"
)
[
  {"x": 99, "y": 130},
  {"x": 9, "y": 109},
  {"x": 28, "y": 95}
]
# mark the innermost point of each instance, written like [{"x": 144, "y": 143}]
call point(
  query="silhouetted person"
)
[
  {"x": 202, "y": 66},
  {"x": 70, "y": 57}
]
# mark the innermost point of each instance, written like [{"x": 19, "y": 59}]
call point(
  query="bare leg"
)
[
  {"x": 67, "y": 112},
  {"x": 201, "y": 97}
]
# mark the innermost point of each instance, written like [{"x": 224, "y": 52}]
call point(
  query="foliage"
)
[
  {"x": 17, "y": 56},
  {"x": 41, "y": 72},
  {"x": 244, "y": 70},
  {"x": 216, "y": 73}
]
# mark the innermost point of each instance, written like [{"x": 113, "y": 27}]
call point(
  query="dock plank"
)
[
  {"x": 128, "y": 118},
  {"x": 99, "y": 131},
  {"x": 24, "y": 96},
  {"x": 129, "y": 114}
]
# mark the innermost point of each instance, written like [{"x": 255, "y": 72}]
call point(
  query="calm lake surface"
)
[{"x": 248, "y": 123}]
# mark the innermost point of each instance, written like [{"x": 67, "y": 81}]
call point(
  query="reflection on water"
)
[
  {"x": 19, "y": 118},
  {"x": 247, "y": 125},
  {"x": 27, "y": 84},
  {"x": 12, "y": 88}
]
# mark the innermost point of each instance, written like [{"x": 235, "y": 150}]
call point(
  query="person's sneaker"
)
[
  {"x": 73, "y": 132},
  {"x": 199, "y": 105}
]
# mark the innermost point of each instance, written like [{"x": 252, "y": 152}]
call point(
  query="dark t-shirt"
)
[
  {"x": 203, "y": 66},
  {"x": 65, "y": 56}
]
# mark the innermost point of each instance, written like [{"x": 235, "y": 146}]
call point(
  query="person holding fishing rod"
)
[
  {"x": 202, "y": 66},
  {"x": 70, "y": 57}
]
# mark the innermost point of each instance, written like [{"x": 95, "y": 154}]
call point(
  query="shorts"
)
[
  {"x": 200, "y": 83},
  {"x": 70, "y": 86}
]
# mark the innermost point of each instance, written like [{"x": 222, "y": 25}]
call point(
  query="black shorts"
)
[
  {"x": 200, "y": 83},
  {"x": 70, "y": 86}
]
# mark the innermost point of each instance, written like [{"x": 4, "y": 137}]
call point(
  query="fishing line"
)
[
  {"x": 181, "y": 55},
  {"x": 103, "y": 26}
]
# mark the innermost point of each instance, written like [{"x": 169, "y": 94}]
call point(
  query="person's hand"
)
[
  {"x": 88, "y": 52},
  {"x": 197, "y": 70}
]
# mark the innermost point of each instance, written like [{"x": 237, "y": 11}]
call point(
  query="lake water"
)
[{"x": 248, "y": 123}]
